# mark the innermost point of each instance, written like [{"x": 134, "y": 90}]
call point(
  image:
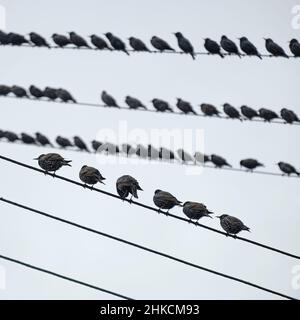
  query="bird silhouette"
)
[
  {"x": 248, "y": 47},
  {"x": 108, "y": 100},
  {"x": 185, "y": 106},
  {"x": 51, "y": 162},
  {"x": 127, "y": 185},
  {"x": 116, "y": 42},
  {"x": 161, "y": 105},
  {"x": 36, "y": 92},
  {"x": 250, "y": 164},
  {"x": 274, "y": 48},
  {"x": 231, "y": 111},
  {"x": 77, "y": 40},
  {"x": 195, "y": 210},
  {"x": 248, "y": 112},
  {"x": 229, "y": 46},
  {"x": 232, "y": 225},
  {"x": 99, "y": 42},
  {"x": 165, "y": 200},
  {"x": 38, "y": 40},
  {"x": 218, "y": 161},
  {"x": 60, "y": 40},
  {"x": 267, "y": 115},
  {"x": 209, "y": 110},
  {"x": 184, "y": 44},
  {"x": 289, "y": 116},
  {"x": 134, "y": 103},
  {"x": 287, "y": 168},
  {"x": 80, "y": 144},
  {"x": 295, "y": 47},
  {"x": 137, "y": 44},
  {"x": 160, "y": 44},
  {"x": 212, "y": 47},
  {"x": 90, "y": 176}
]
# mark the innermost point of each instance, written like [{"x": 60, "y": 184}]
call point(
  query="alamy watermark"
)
[
  {"x": 2, "y": 17},
  {"x": 295, "y": 23},
  {"x": 296, "y": 277},
  {"x": 2, "y": 278}
]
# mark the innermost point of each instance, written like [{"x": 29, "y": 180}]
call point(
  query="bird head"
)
[
  {"x": 39, "y": 157},
  {"x": 293, "y": 41},
  {"x": 108, "y": 35},
  {"x": 178, "y": 99},
  {"x": 223, "y": 37},
  {"x": 187, "y": 203},
  {"x": 157, "y": 191},
  {"x": 222, "y": 216},
  {"x": 242, "y": 39},
  {"x": 178, "y": 34},
  {"x": 131, "y": 38},
  {"x": 83, "y": 167},
  {"x": 268, "y": 40},
  {"x": 91, "y": 35}
]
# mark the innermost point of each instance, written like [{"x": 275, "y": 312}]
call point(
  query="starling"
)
[
  {"x": 289, "y": 116},
  {"x": 160, "y": 44},
  {"x": 137, "y": 44},
  {"x": 19, "y": 92},
  {"x": 27, "y": 139},
  {"x": 65, "y": 95},
  {"x": 185, "y": 106},
  {"x": 295, "y": 47},
  {"x": 51, "y": 162},
  {"x": 209, "y": 110},
  {"x": 141, "y": 151},
  {"x": 184, "y": 44},
  {"x": 2, "y": 134},
  {"x": 212, "y": 47},
  {"x": 127, "y": 185},
  {"x": 166, "y": 154},
  {"x": 287, "y": 168},
  {"x": 77, "y": 40},
  {"x": 98, "y": 42},
  {"x": 36, "y": 92},
  {"x": 153, "y": 153},
  {"x": 60, "y": 40},
  {"x": 229, "y": 46},
  {"x": 231, "y": 111},
  {"x": 4, "y": 90},
  {"x": 248, "y": 47},
  {"x": 96, "y": 145},
  {"x": 4, "y": 38},
  {"x": 195, "y": 210},
  {"x": 11, "y": 136},
  {"x": 42, "y": 140},
  {"x": 116, "y": 42},
  {"x": 232, "y": 225},
  {"x": 80, "y": 144},
  {"x": 134, "y": 103},
  {"x": 161, "y": 105},
  {"x": 267, "y": 114},
  {"x": 90, "y": 175},
  {"x": 165, "y": 200},
  {"x": 50, "y": 93},
  {"x": 184, "y": 156},
  {"x": 16, "y": 39},
  {"x": 219, "y": 162},
  {"x": 248, "y": 112},
  {"x": 38, "y": 40},
  {"x": 108, "y": 100},
  {"x": 275, "y": 49},
  {"x": 63, "y": 142},
  {"x": 250, "y": 164}
]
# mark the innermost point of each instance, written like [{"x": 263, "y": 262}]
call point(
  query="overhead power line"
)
[{"x": 151, "y": 208}]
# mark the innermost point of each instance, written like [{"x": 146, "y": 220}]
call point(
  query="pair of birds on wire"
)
[{"x": 127, "y": 185}]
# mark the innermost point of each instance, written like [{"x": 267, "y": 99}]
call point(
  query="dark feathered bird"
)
[
  {"x": 77, "y": 40},
  {"x": 2, "y": 134},
  {"x": 127, "y": 185},
  {"x": 99, "y": 42},
  {"x": 90, "y": 175},
  {"x": 42, "y": 139},
  {"x": 195, "y": 210},
  {"x": 137, "y": 44},
  {"x": 80, "y": 144},
  {"x": 63, "y": 142},
  {"x": 4, "y": 90},
  {"x": 161, "y": 105},
  {"x": 166, "y": 154},
  {"x": 267, "y": 114},
  {"x": 248, "y": 47},
  {"x": 231, "y": 111},
  {"x": 60, "y": 40},
  {"x": 209, "y": 110},
  {"x": 16, "y": 39},
  {"x": 11, "y": 136},
  {"x": 36, "y": 92},
  {"x": 229, "y": 46},
  {"x": 65, "y": 95},
  {"x": 248, "y": 112},
  {"x": 96, "y": 145},
  {"x": 289, "y": 116},
  {"x": 250, "y": 164},
  {"x": 274, "y": 48},
  {"x": 185, "y": 156},
  {"x": 134, "y": 103},
  {"x": 4, "y": 38},
  {"x": 185, "y": 106},
  {"x": 218, "y": 161},
  {"x": 109, "y": 100},
  {"x": 232, "y": 225},
  {"x": 27, "y": 139},
  {"x": 160, "y": 44},
  {"x": 201, "y": 157},
  {"x": 50, "y": 93},
  {"x": 184, "y": 44},
  {"x": 38, "y": 40},
  {"x": 212, "y": 47},
  {"x": 19, "y": 91},
  {"x": 287, "y": 168},
  {"x": 295, "y": 47},
  {"x": 116, "y": 42},
  {"x": 165, "y": 200},
  {"x": 51, "y": 162}
]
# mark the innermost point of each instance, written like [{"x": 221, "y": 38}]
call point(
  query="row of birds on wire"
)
[
  {"x": 127, "y": 185},
  {"x": 141, "y": 151},
  {"x": 185, "y": 107},
  {"x": 113, "y": 42}
]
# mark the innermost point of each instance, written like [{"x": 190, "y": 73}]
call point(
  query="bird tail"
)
[
  {"x": 259, "y": 56},
  {"x": 67, "y": 163},
  {"x": 246, "y": 228},
  {"x": 193, "y": 55},
  {"x": 229, "y": 165},
  {"x": 297, "y": 173},
  {"x": 194, "y": 112},
  {"x": 126, "y": 52},
  {"x": 221, "y": 55}
]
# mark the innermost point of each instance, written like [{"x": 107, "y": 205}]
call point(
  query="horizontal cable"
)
[
  {"x": 143, "y": 248},
  {"x": 150, "y": 208}
]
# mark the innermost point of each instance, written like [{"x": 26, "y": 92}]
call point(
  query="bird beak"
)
[
  {"x": 265, "y": 38},
  {"x": 36, "y": 159},
  {"x": 218, "y": 217}
]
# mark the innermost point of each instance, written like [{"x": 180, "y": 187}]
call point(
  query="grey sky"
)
[{"x": 268, "y": 205}]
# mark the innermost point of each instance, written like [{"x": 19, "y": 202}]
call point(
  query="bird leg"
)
[
  {"x": 130, "y": 200},
  {"x": 158, "y": 211},
  {"x": 167, "y": 213}
]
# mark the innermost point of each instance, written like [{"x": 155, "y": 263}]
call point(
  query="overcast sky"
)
[{"x": 269, "y": 205}]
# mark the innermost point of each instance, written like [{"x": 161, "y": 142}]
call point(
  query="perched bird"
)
[
  {"x": 218, "y": 161},
  {"x": 137, "y": 44},
  {"x": 36, "y": 92},
  {"x": 80, "y": 144},
  {"x": 42, "y": 139},
  {"x": 232, "y": 225},
  {"x": 248, "y": 112},
  {"x": 166, "y": 154},
  {"x": 99, "y": 42},
  {"x": 4, "y": 38},
  {"x": 209, "y": 110},
  {"x": 127, "y": 185},
  {"x": 65, "y": 95},
  {"x": 16, "y": 39},
  {"x": 184, "y": 44},
  {"x": 96, "y": 145},
  {"x": 184, "y": 156},
  {"x": 295, "y": 47},
  {"x": 161, "y": 105},
  {"x": 50, "y": 93},
  {"x": 90, "y": 175},
  {"x": 229, "y": 46},
  {"x": 4, "y": 90},
  {"x": 195, "y": 210},
  {"x": 289, "y": 116},
  {"x": 2, "y": 134},
  {"x": 250, "y": 164},
  {"x": 109, "y": 100},
  {"x": 165, "y": 200},
  {"x": 38, "y": 40},
  {"x": 267, "y": 114},
  {"x": 11, "y": 136},
  {"x": 201, "y": 157},
  {"x": 51, "y": 162},
  {"x": 274, "y": 48},
  {"x": 60, "y": 40},
  {"x": 77, "y": 40},
  {"x": 248, "y": 47},
  {"x": 27, "y": 139},
  {"x": 160, "y": 44},
  {"x": 63, "y": 142},
  {"x": 116, "y": 42},
  {"x": 185, "y": 106},
  {"x": 287, "y": 168},
  {"x": 231, "y": 111},
  {"x": 19, "y": 92},
  {"x": 134, "y": 103},
  {"x": 212, "y": 47}
]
